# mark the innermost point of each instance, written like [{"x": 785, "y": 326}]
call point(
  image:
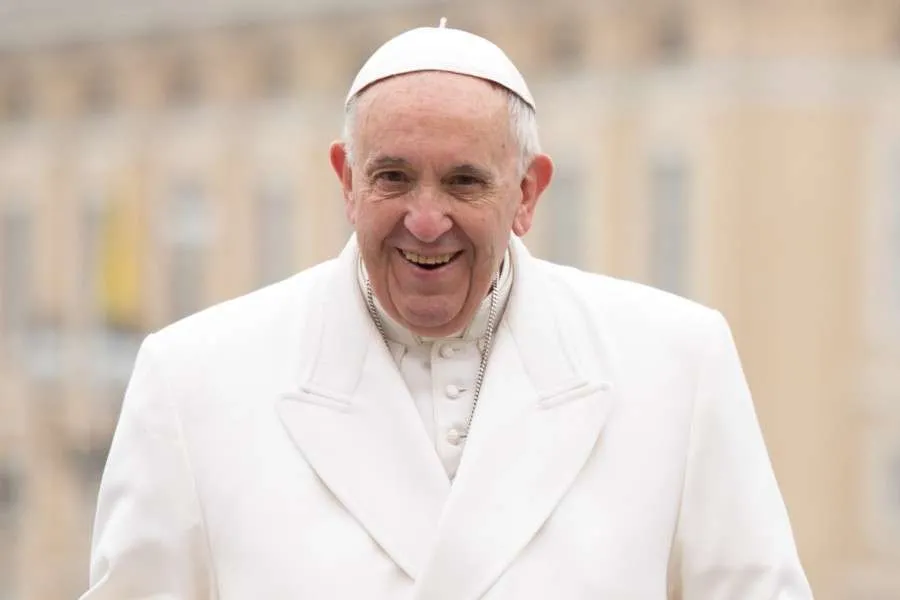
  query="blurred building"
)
[{"x": 157, "y": 158}]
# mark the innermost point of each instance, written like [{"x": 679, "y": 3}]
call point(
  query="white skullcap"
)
[{"x": 441, "y": 49}]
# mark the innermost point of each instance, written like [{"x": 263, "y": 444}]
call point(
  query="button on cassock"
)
[
  {"x": 453, "y": 391},
  {"x": 454, "y": 437}
]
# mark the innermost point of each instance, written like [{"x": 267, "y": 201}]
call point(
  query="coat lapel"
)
[
  {"x": 538, "y": 421},
  {"x": 353, "y": 419},
  {"x": 539, "y": 418}
]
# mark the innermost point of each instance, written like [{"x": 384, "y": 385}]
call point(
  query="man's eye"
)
[
  {"x": 465, "y": 180},
  {"x": 391, "y": 177}
]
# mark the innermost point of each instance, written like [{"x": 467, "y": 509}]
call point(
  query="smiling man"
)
[
  {"x": 435, "y": 414},
  {"x": 433, "y": 187}
]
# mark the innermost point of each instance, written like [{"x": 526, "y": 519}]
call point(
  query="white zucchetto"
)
[{"x": 441, "y": 49}]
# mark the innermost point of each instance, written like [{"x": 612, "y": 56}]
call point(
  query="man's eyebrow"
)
[
  {"x": 386, "y": 162},
  {"x": 473, "y": 171}
]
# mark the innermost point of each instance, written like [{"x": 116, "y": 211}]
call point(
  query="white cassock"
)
[
  {"x": 271, "y": 448},
  {"x": 440, "y": 373}
]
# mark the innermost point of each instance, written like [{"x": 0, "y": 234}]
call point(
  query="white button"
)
[
  {"x": 448, "y": 351},
  {"x": 454, "y": 437},
  {"x": 453, "y": 391}
]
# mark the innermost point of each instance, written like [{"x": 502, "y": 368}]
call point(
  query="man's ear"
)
[
  {"x": 340, "y": 162},
  {"x": 536, "y": 179}
]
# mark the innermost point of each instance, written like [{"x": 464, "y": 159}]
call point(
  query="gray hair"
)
[{"x": 522, "y": 119}]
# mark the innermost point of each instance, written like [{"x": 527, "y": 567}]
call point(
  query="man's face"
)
[{"x": 433, "y": 193}]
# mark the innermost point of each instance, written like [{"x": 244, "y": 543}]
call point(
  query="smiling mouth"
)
[{"x": 429, "y": 263}]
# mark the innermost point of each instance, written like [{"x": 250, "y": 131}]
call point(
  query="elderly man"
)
[{"x": 436, "y": 414}]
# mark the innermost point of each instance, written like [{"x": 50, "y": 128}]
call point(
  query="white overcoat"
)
[{"x": 268, "y": 449}]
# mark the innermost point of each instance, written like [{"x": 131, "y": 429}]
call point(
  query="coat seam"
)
[
  {"x": 689, "y": 448},
  {"x": 179, "y": 428}
]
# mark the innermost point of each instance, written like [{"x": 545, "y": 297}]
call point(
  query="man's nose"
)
[{"x": 427, "y": 217}]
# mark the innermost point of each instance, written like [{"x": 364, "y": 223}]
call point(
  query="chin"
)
[{"x": 433, "y": 319}]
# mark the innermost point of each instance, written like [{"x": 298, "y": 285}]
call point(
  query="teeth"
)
[{"x": 427, "y": 260}]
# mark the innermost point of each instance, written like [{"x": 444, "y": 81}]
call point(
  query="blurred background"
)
[{"x": 158, "y": 157}]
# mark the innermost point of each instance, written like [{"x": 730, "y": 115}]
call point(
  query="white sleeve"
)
[
  {"x": 149, "y": 540},
  {"x": 733, "y": 539}
]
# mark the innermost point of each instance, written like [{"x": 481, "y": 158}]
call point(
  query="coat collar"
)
[{"x": 539, "y": 417}]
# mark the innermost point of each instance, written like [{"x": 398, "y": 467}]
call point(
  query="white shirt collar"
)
[{"x": 396, "y": 332}]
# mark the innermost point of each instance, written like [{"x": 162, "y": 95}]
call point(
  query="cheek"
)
[
  {"x": 487, "y": 229},
  {"x": 495, "y": 221},
  {"x": 475, "y": 225},
  {"x": 376, "y": 220}
]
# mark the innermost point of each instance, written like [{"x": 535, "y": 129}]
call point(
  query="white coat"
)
[{"x": 268, "y": 449}]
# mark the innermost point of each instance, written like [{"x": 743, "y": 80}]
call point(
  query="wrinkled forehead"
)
[
  {"x": 435, "y": 90},
  {"x": 434, "y": 110}
]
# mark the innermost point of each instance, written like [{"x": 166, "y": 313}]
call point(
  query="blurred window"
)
[
  {"x": 669, "y": 221},
  {"x": 672, "y": 39},
  {"x": 184, "y": 86},
  {"x": 276, "y": 72},
  {"x": 10, "y": 503},
  {"x": 109, "y": 301},
  {"x": 10, "y": 482},
  {"x": 888, "y": 508},
  {"x": 115, "y": 350},
  {"x": 189, "y": 238},
  {"x": 43, "y": 349},
  {"x": 565, "y": 206},
  {"x": 567, "y": 38},
  {"x": 93, "y": 219},
  {"x": 17, "y": 260},
  {"x": 99, "y": 94},
  {"x": 88, "y": 460},
  {"x": 17, "y": 102},
  {"x": 275, "y": 233}
]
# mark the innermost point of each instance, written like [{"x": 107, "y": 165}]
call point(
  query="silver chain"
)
[{"x": 484, "y": 345}]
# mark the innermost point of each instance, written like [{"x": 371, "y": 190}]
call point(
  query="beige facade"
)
[{"x": 746, "y": 155}]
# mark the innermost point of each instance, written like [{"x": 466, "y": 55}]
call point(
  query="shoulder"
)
[
  {"x": 622, "y": 297},
  {"x": 634, "y": 313},
  {"x": 252, "y": 317}
]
